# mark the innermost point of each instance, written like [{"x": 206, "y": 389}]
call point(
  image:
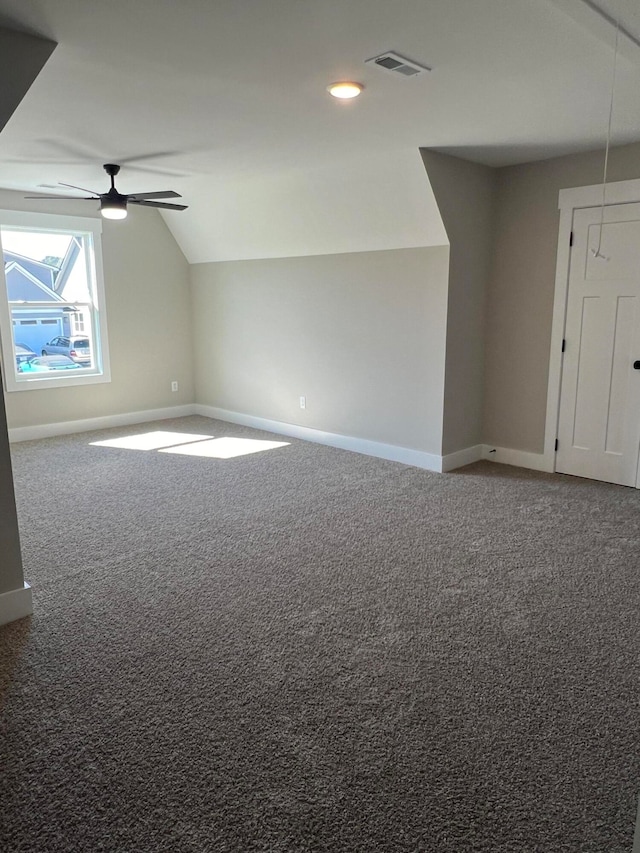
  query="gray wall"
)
[
  {"x": 22, "y": 57},
  {"x": 149, "y": 319},
  {"x": 464, "y": 192},
  {"x": 11, "y": 560},
  {"x": 361, "y": 335},
  {"x": 521, "y": 290}
]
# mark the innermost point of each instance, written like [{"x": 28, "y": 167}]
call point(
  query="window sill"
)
[{"x": 37, "y": 383}]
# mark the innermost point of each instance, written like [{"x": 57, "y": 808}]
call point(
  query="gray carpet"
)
[{"x": 310, "y": 650}]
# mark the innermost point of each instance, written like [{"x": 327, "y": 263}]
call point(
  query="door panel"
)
[
  {"x": 599, "y": 422},
  {"x": 624, "y": 323},
  {"x": 619, "y": 245}
]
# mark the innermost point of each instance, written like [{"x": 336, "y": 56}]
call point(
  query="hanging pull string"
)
[{"x": 597, "y": 252}]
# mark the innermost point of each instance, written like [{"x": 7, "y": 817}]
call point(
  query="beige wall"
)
[
  {"x": 361, "y": 335},
  {"x": 149, "y": 320},
  {"x": 464, "y": 192},
  {"x": 521, "y": 290}
]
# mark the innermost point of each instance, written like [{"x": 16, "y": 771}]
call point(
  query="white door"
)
[{"x": 599, "y": 419}]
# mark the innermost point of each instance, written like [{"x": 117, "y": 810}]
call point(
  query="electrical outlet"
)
[
  {"x": 174, "y": 385},
  {"x": 303, "y": 402}
]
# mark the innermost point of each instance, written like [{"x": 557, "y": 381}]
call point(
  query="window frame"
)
[
  {"x": 97, "y": 319},
  {"x": 78, "y": 319}
]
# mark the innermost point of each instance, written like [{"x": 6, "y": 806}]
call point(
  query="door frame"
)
[{"x": 569, "y": 200}]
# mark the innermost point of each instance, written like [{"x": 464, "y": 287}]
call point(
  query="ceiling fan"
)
[{"x": 113, "y": 205}]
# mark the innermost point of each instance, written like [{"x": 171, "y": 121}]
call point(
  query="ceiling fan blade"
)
[
  {"x": 158, "y": 204},
  {"x": 143, "y": 196},
  {"x": 82, "y": 189},
  {"x": 153, "y": 170},
  {"x": 67, "y": 197}
]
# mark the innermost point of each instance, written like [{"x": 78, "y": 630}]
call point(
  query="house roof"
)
[
  {"x": 226, "y": 103},
  {"x": 22, "y": 284},
  {"x": 43, "y": 272}
]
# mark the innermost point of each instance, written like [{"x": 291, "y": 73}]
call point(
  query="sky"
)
[{"x": 35, "y": 245}]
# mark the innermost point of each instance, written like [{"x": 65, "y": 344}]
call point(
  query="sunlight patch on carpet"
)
[
  {"x": 151, "y": 440},
  {"x": 226, "y": 448}
]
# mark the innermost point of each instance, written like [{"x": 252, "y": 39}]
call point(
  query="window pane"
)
[
  {"x": 50, "y": 289},
  {"x": 34, "y": 327}
]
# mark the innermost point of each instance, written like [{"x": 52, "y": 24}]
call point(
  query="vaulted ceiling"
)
[{"x": 226, "y": 102}]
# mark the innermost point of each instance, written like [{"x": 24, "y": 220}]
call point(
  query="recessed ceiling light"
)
[{"x": 345, "y": 90}]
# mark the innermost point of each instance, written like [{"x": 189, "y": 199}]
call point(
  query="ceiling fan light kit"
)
[
  {"x": 113, "y": 208},
  {"x": 113, "y": 204}
]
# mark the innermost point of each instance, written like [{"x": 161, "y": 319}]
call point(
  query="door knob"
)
[{"x": 636, "y": 365}]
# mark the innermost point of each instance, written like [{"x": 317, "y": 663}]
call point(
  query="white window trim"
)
[{"x": 89, "y": 376}]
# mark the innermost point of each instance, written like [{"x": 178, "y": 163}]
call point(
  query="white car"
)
[{"x": 77, "y": 348}]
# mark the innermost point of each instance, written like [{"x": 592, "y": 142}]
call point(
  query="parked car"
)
[
  {"x": 76, "y": 348},
  {"x": 23, "y": 353},
  {"x": 43, "y": 363}
]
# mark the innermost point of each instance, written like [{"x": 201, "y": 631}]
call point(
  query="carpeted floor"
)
[{"x": 305, "y": 649}]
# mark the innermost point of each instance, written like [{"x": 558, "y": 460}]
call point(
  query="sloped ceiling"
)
[{"x": 226, "y": 103}]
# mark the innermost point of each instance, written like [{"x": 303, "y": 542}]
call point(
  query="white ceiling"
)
[{"x": 226, "y": 103}]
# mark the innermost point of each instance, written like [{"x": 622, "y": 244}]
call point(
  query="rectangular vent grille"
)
[{"x": 397, "y": 64}]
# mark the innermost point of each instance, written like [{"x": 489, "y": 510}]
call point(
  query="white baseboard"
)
[
  {"x": 417, "y": 458},
  {"x": 29, "y": 433},
  {"x": 395, "y": 453},
  {"x": 519, "y": 458},
  {"x": 462, "y": 457},
  {"x": 15, "y": 604}
]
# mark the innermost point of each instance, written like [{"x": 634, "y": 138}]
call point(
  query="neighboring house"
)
[
  {"x": 30, "y": 268},
  {"x": 70, "y": 280},
  {"x": 30, "y": 280}
]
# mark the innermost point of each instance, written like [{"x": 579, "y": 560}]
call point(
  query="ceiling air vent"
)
[{"x": 390, "y": 61}]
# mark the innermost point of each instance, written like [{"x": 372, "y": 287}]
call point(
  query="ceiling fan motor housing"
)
[{"x": 114, "y": 195}]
